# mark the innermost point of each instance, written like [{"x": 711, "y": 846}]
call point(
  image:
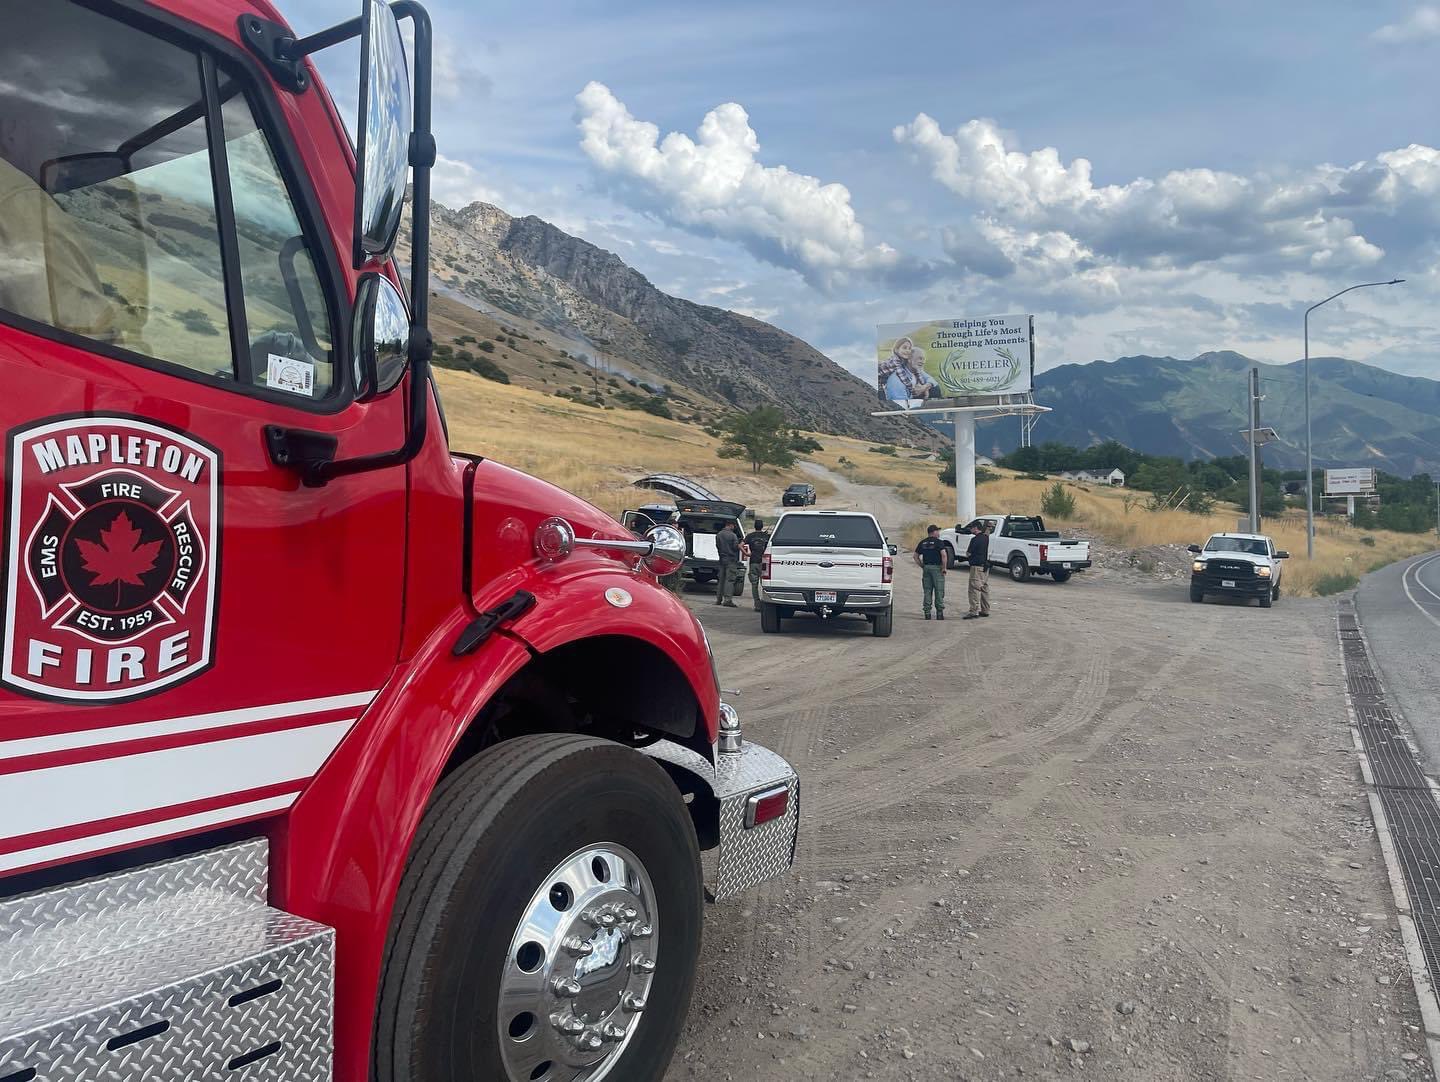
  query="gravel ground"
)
[{"x": 1105, "y": 833}]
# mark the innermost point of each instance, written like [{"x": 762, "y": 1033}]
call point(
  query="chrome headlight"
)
[
  {"x": 1198, "y": 565},
  {"x": 1263, "y": 572}
]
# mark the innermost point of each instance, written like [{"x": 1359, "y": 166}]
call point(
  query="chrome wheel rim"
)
[{"x": 581, "y": 963}]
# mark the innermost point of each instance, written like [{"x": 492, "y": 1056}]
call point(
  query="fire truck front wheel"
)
[{"x": 548, "y": 925}]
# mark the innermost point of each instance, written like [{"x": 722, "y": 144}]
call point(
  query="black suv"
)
[{"x": 798, "y": 496}]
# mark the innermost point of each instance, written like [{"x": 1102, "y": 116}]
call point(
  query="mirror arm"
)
[{"x": 422, "y": 157}]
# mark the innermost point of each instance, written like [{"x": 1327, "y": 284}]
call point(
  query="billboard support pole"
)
[{"x": 964, "y": 467}]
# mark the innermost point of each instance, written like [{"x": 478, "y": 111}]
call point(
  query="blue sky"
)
[{"x": 1145, "y": 178}]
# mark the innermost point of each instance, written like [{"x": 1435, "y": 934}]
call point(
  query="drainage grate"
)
[{"x": 1401, "y": 784}]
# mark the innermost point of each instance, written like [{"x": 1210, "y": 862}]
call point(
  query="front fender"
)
[{"x": 592, "y": 595}]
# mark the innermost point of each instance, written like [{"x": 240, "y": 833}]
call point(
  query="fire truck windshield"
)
[{"x": 108, "y": 210}]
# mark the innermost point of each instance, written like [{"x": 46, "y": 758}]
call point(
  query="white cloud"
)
[
  {"x": 1184, "y": 218},
  {"x": 1422, "y": 25},
  {"x": 715, "y": 184}
]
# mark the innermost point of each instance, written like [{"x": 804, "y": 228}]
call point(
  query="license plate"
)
[
  {"x": 824, "y": 597},
  {"x": 1065, "y": 566},
  {"x": 1228, "y": 582}
]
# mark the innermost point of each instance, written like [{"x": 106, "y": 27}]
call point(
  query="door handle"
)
[{"x": 301, "y": 450}]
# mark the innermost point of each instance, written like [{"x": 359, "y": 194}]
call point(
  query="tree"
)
[
  {"x": 1057, "y": 503},
  {"x": 761, "y": 437}
]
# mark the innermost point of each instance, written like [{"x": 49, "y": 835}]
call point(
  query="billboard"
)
[
  {"x": 934, "y": 363},
  {"x": 1359, "y": 482}
]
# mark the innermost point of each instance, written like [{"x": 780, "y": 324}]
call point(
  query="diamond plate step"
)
[{"x": 177, "y": 972}]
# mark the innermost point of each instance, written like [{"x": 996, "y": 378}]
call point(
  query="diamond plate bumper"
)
[
  {"x": 170, "y": 973},
  {"x": 747, "y": 855}
]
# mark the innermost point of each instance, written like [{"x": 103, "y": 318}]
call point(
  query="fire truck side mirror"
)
[
  {"x": 383, "y": 157},
  {"x": 380, "y": 337}
]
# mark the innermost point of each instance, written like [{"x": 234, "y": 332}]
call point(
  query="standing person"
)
[
  {"x": 930, "y": 557},
  {"x": 727, "y": 545},
  {"x": 979, "y": 556},
  {"x": 754, "y": 545}
]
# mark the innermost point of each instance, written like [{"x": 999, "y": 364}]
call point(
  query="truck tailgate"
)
[{"x": 827, "y": 568}]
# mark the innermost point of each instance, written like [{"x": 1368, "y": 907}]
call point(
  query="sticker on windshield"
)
[
  {"x": 111, "y": 554},
  {"x": 289, "y": 374}
]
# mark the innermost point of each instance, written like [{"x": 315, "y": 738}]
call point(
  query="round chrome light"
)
[{"x": 554, "y": 539}]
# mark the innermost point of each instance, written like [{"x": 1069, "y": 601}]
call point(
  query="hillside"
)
[
  {"x": 588, "y": 322},
  {"x": 1361, "y": 415}
]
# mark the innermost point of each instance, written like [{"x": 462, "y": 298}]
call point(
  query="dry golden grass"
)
[{"x": 594, "y": 453}]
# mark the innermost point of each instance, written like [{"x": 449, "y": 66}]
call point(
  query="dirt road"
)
[{"x": 1104, "y": 833}]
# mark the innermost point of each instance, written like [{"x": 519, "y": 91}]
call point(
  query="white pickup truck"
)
[
  {"x": 828, "y": 563},
  {"x": 1022, "y": 544},
  {"x": 1238, "y": 564}
]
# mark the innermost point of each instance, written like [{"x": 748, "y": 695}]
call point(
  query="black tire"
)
[
  {"x": 1061, "y": 576},
  {"x": 494, "y": 829},
  {"x": 1019, "y": 568},
  {"x": 1197, "y": 595},
  {"x": 1275, "y": 593},
  {"x": 951, "y": 563},
  {"x": 882, "y": 623},
  {"x": 769, "y": 619},
  {"x": 702, "y": 578},
  {"x": 1265, "y": 600}
]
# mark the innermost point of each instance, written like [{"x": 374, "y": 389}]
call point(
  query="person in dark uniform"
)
[
  {"x": 930, "y": 557},
  {"x": 727, "y": 546},
  {"x": 754, "y": 545},
  {"x": 979, "y": 557}
]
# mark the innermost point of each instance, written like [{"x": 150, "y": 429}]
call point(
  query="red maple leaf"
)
[{"x": 120, "y": 557}]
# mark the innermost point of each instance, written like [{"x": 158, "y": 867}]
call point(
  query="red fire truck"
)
[{"x": 324, "y": 751}]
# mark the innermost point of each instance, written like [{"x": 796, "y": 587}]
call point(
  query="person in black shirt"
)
[
  {"x": 754, "y": 546},
  {"x": 979, "y": 556},
  {"x": 930, "y": 556}
]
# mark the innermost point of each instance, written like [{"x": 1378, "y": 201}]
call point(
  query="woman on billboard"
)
[{"x": 902, "y": 375}]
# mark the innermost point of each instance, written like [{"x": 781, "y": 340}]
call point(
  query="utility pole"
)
[{"x": 1254, "y": 450}]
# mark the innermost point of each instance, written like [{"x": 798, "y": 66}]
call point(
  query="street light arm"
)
[{"x": 1362, "y": 285}]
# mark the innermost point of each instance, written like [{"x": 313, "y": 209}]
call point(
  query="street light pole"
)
[{"x": 1309, "y": 447}]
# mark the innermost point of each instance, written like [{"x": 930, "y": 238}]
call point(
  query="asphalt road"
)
[
  {"x": 1400, "y": 610},
  {"x": 1105, "y": 834}
]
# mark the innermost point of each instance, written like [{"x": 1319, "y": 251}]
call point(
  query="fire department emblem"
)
[{"x": 111, "y": 546}]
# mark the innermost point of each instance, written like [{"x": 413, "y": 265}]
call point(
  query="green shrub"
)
[
  {"x": 883, "y": 449},
  {"x": 1368, "y": 542},
  {"x": 1057, "y": 503},
  {"x": 982, "y": 475},
  {"x": 485, "y": 347},
  {"x": 1034, "y": 477},
  {"x": 1336, "y": 583}
]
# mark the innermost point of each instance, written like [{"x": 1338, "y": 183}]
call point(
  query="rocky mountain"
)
[
  {"x": 576, "y": 297},
  {"x": 1360, "y": 415}
]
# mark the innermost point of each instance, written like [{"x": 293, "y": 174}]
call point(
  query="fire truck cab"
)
[{"x": 325, "y": 752}]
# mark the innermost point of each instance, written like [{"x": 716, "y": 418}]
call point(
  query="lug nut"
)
[
  {"x": 629, "y": 912},
  {"x": 608, "y": 919},
  {"x": 567, "y": 1024},
  {"x": 631, "y": 1003},
  {"x": 639, "y": 930},
  {"x": 565, "y": 986},
  {"x": 642, "y": 964},
  {"x": 578, "y": 947},
  {"x": 589, "y": 1041},
  {"x": 611, "y": 1032},
  {"x": 591, "y": 917}
]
